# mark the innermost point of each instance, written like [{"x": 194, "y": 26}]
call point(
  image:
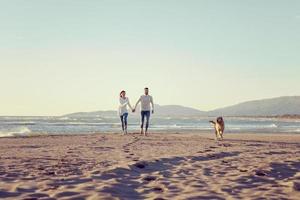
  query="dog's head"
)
[{"x": 220, "y": 120}]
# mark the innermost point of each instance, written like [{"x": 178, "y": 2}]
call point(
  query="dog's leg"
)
[
  {"x": 219, "y": 135},
  {"x": 216, "y": 132}
]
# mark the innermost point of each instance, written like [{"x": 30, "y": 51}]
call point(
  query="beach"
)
[{"x": 160, "y": 166}]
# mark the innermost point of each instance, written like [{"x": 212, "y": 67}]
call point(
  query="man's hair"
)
[{"x": 146, "y": 88}]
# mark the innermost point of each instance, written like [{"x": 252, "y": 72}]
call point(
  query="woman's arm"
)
[{"x": 128, "y": 102}]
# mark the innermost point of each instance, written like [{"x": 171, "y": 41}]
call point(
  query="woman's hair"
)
[{"x": 121, "y": 93}]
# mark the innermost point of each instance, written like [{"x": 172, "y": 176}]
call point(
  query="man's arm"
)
[
  {"x": 151, "y": 101},
  {"x": 137, "y": 103}
]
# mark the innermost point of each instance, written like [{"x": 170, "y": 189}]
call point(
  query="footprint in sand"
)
[
  {"x": 140, "y": 165},
  {"x": 66, "y": 194},
  {"x": 149, "y": 178},
  {"x": 37, "y": 196},
  {"x": 260, "y": 173},
  {"x": 225, "y": 145},
  {"x": 296, "y": 186},
  {"x": 157, "y": 189}
]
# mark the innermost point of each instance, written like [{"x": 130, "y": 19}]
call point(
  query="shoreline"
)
[{"x": 206, "y": 134}]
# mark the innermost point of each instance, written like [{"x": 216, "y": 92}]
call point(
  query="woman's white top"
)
[{"x": 123, "y": 106}]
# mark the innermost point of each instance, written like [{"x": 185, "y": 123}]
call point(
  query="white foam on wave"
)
[
  {"x": 165, "y": 127},
  {"x": 252, "y": 126},
  {"x": 19, "y": 122},
  {"x": 64, "y": 118},
  {"x": 19, "y": 131},
  {"x": 272, "y": 126},
  {"x": 67, "y": 119}
]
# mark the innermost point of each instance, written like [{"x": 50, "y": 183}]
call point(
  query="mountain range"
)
[{"x": 287, "y": 105}]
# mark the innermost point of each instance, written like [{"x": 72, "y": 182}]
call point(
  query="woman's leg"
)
[
  {"x": 122, "y": 121},
  {"x": 125, "y": 121}
]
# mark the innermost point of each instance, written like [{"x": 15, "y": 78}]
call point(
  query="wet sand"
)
[{"x": 162, "y": 166}]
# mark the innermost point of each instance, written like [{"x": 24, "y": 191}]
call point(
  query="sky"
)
[{"x": 64, "y": 56}]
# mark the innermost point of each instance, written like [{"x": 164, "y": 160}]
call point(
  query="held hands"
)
[
  {"x": 133, "y": 110},
  {"x": 152, "y": 111}
]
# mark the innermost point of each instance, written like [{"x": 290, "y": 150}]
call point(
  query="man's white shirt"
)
[{"x": 146, "y": 100}]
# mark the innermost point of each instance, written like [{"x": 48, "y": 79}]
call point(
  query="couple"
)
[{"x": 145, "y": 101}]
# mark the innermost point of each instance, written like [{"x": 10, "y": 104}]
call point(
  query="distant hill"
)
[
  {"x": 109, "y": 113},
  {"x": 266, "y": 107},
  {"x": 169, "y": 110},
  {"x": 176, "y": 110}
]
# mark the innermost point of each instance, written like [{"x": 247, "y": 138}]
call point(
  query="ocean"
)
[{"x": 30, "y": 126}]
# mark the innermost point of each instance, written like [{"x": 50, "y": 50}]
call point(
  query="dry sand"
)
[{"x": 162, "y": 166}]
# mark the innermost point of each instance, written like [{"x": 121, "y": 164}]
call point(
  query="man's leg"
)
[
  {"x": 147, "y": 121},
  {"x": 142, "y": 121}
]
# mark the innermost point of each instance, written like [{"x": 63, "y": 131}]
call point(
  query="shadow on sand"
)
[{"x": 130, "y": 181}]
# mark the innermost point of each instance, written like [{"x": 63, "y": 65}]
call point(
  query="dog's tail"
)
[{"x": 212, "y": 122}]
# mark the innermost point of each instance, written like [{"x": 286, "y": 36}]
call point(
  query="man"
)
[{"x": 145, "y": 101}]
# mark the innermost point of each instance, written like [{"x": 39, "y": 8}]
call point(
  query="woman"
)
[{"x": 123, "y": 112}]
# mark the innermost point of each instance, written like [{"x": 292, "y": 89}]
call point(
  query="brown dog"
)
[{"x": 219, "y": 126}]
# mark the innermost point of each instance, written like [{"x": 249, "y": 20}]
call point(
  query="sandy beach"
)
[{"x": 162, "y": 166}]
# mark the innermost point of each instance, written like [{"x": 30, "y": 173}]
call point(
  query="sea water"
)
[{"x": 30, "y": 126}]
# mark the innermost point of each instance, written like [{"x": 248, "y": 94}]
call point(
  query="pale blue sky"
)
[{"x": 59, "y": 56}]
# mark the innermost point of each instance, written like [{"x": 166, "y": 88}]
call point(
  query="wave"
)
[
  {"x": 24, "y": 123},
  {"x": 252, "y": 126},
  {"x": 272, "y": 126},
  {"x": 294, "y": 130},
  {"x": 20, "y": 131},
  {"x": 64, "y": 118},
  {"x": 167, "y": 126},
  {"x": 80, "y": 123},
  {"x": 183, "y": 127}
]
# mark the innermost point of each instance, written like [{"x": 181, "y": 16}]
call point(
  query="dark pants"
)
[
  {"x": 124, "y": 121},
  {"x": 147, "y": 115}
]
